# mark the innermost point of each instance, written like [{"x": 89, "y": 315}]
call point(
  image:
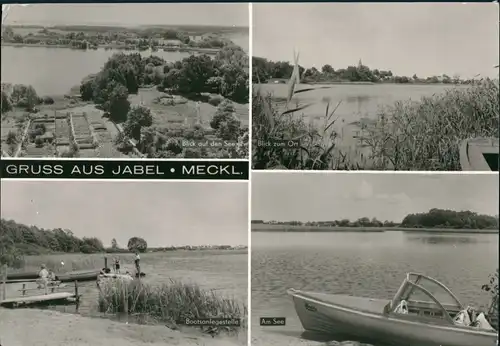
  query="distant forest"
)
[
  {"x": 434, "y": 218},
  {"x": 264, "y": 70}
]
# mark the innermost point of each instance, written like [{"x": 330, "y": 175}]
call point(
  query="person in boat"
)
[
  {"x": 137, "y": 263},
  {"x": 117, "y": 265},
  {"x": 43, "y": 277}
]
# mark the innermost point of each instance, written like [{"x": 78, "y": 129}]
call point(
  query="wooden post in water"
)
[
  {"x": 105, "y": 262},
  {"x": 77, "y": 296},
  {"x": 24, "y": 289},
  {"x": 125, "y": 300},
  {"x": 4, "y": 282}
]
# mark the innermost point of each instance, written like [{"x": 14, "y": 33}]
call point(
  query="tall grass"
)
[
  {"x": 171, "y": 302},
  {"x": 313, "y": 148},
  {"x": 423, "y": 135},
  {"x": 426, "y": 135}
]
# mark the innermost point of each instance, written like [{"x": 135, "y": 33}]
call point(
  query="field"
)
[
  {"x": 381, "y": 126},
  {"x": 293, "y": 228}
]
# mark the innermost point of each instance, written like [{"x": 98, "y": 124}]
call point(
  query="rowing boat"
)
[{"x": 424, "y": 312}]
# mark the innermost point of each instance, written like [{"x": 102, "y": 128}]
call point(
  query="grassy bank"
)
[
  {"x": 292, "y": 228},
  {"x": 422, "y": 135}
]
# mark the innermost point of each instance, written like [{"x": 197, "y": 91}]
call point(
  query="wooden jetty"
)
[
  {"x": 479, "y": 154},
  {"x": 50, "y": 296}
]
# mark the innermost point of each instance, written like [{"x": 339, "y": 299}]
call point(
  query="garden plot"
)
[
  {"x": 83, "y": 135},
  {"x": 62, "y": 132},
  {"x": 39, "y": 141}
]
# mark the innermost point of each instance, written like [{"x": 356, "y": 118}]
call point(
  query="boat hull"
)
[
  {"x": 78, "y": 276},
  {"x": 22, "y": 276},
  {"x": 316, "y": 315}
]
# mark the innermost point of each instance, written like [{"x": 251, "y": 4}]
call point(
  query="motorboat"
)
[{"x": 423, "y": 312}]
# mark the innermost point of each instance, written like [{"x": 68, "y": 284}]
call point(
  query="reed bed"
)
[
  {"x": 426, "y": 135},
  {"x": 168, "y": 303},
  {"x": 422, "y": 135},
  {"x": 312, "y": 147}
]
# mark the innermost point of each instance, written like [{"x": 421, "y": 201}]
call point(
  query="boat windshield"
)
[{"x": 423, "y": 295}]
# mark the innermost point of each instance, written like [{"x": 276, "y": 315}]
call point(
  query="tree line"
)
[
  {"x": 434, "y": 218},
  {"x": 18, "y": 240},
  {"x": 263, "y": 70},
  {"x": 135, "y": 39}
]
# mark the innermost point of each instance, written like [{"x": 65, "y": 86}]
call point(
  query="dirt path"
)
[{"x": 51, "y": 328}]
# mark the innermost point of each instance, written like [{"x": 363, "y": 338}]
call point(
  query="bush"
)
[
  {"x": 47, "y": 100},
  {"x": 11, "y": 138},
  {"x": 6, "y": 102},
  {"x": 215, "y": 100},
  {"x": 224, "y": 112},
  {"x": 38, "y": 142}
]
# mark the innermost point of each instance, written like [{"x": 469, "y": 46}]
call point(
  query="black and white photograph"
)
[
  {"x": 120, "y": 80},
  {"x": 375, "y": 86},
  {"x": 373, "y": 259},
  {"x": 123, "y": 263}
]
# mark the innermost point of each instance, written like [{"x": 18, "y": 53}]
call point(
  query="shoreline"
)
[
  {"x": 323, "y": 229},
  {"x": 48, "y": 328},
  {"x": 117, "y": 47},
  {"x": 370, "y": 83}
]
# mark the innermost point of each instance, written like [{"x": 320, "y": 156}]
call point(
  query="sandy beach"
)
[
  {"x": 263, "y": 339},
  {"x": 51, "y": 328}
]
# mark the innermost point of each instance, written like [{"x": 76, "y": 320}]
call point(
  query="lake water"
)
[
  {"x": 54, "y": 71},
  {"x": 224, "y": 272},
  {"x": 358, "y": 102},
  {"x": 370, "y": 265}
]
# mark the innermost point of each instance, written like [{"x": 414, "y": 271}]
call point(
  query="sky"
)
[
  {"x": 164, "y": 214},
  {"x": 335, "y": 196},
  {"x": 131, "y": 14},
  {"x": 407, "y": 38}
]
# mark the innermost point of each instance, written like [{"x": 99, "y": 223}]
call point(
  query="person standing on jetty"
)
[
  {"x": 117, "y": 265},
  {"x": 43, "y": 275},
  {"x": 137, "y": 263}
]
